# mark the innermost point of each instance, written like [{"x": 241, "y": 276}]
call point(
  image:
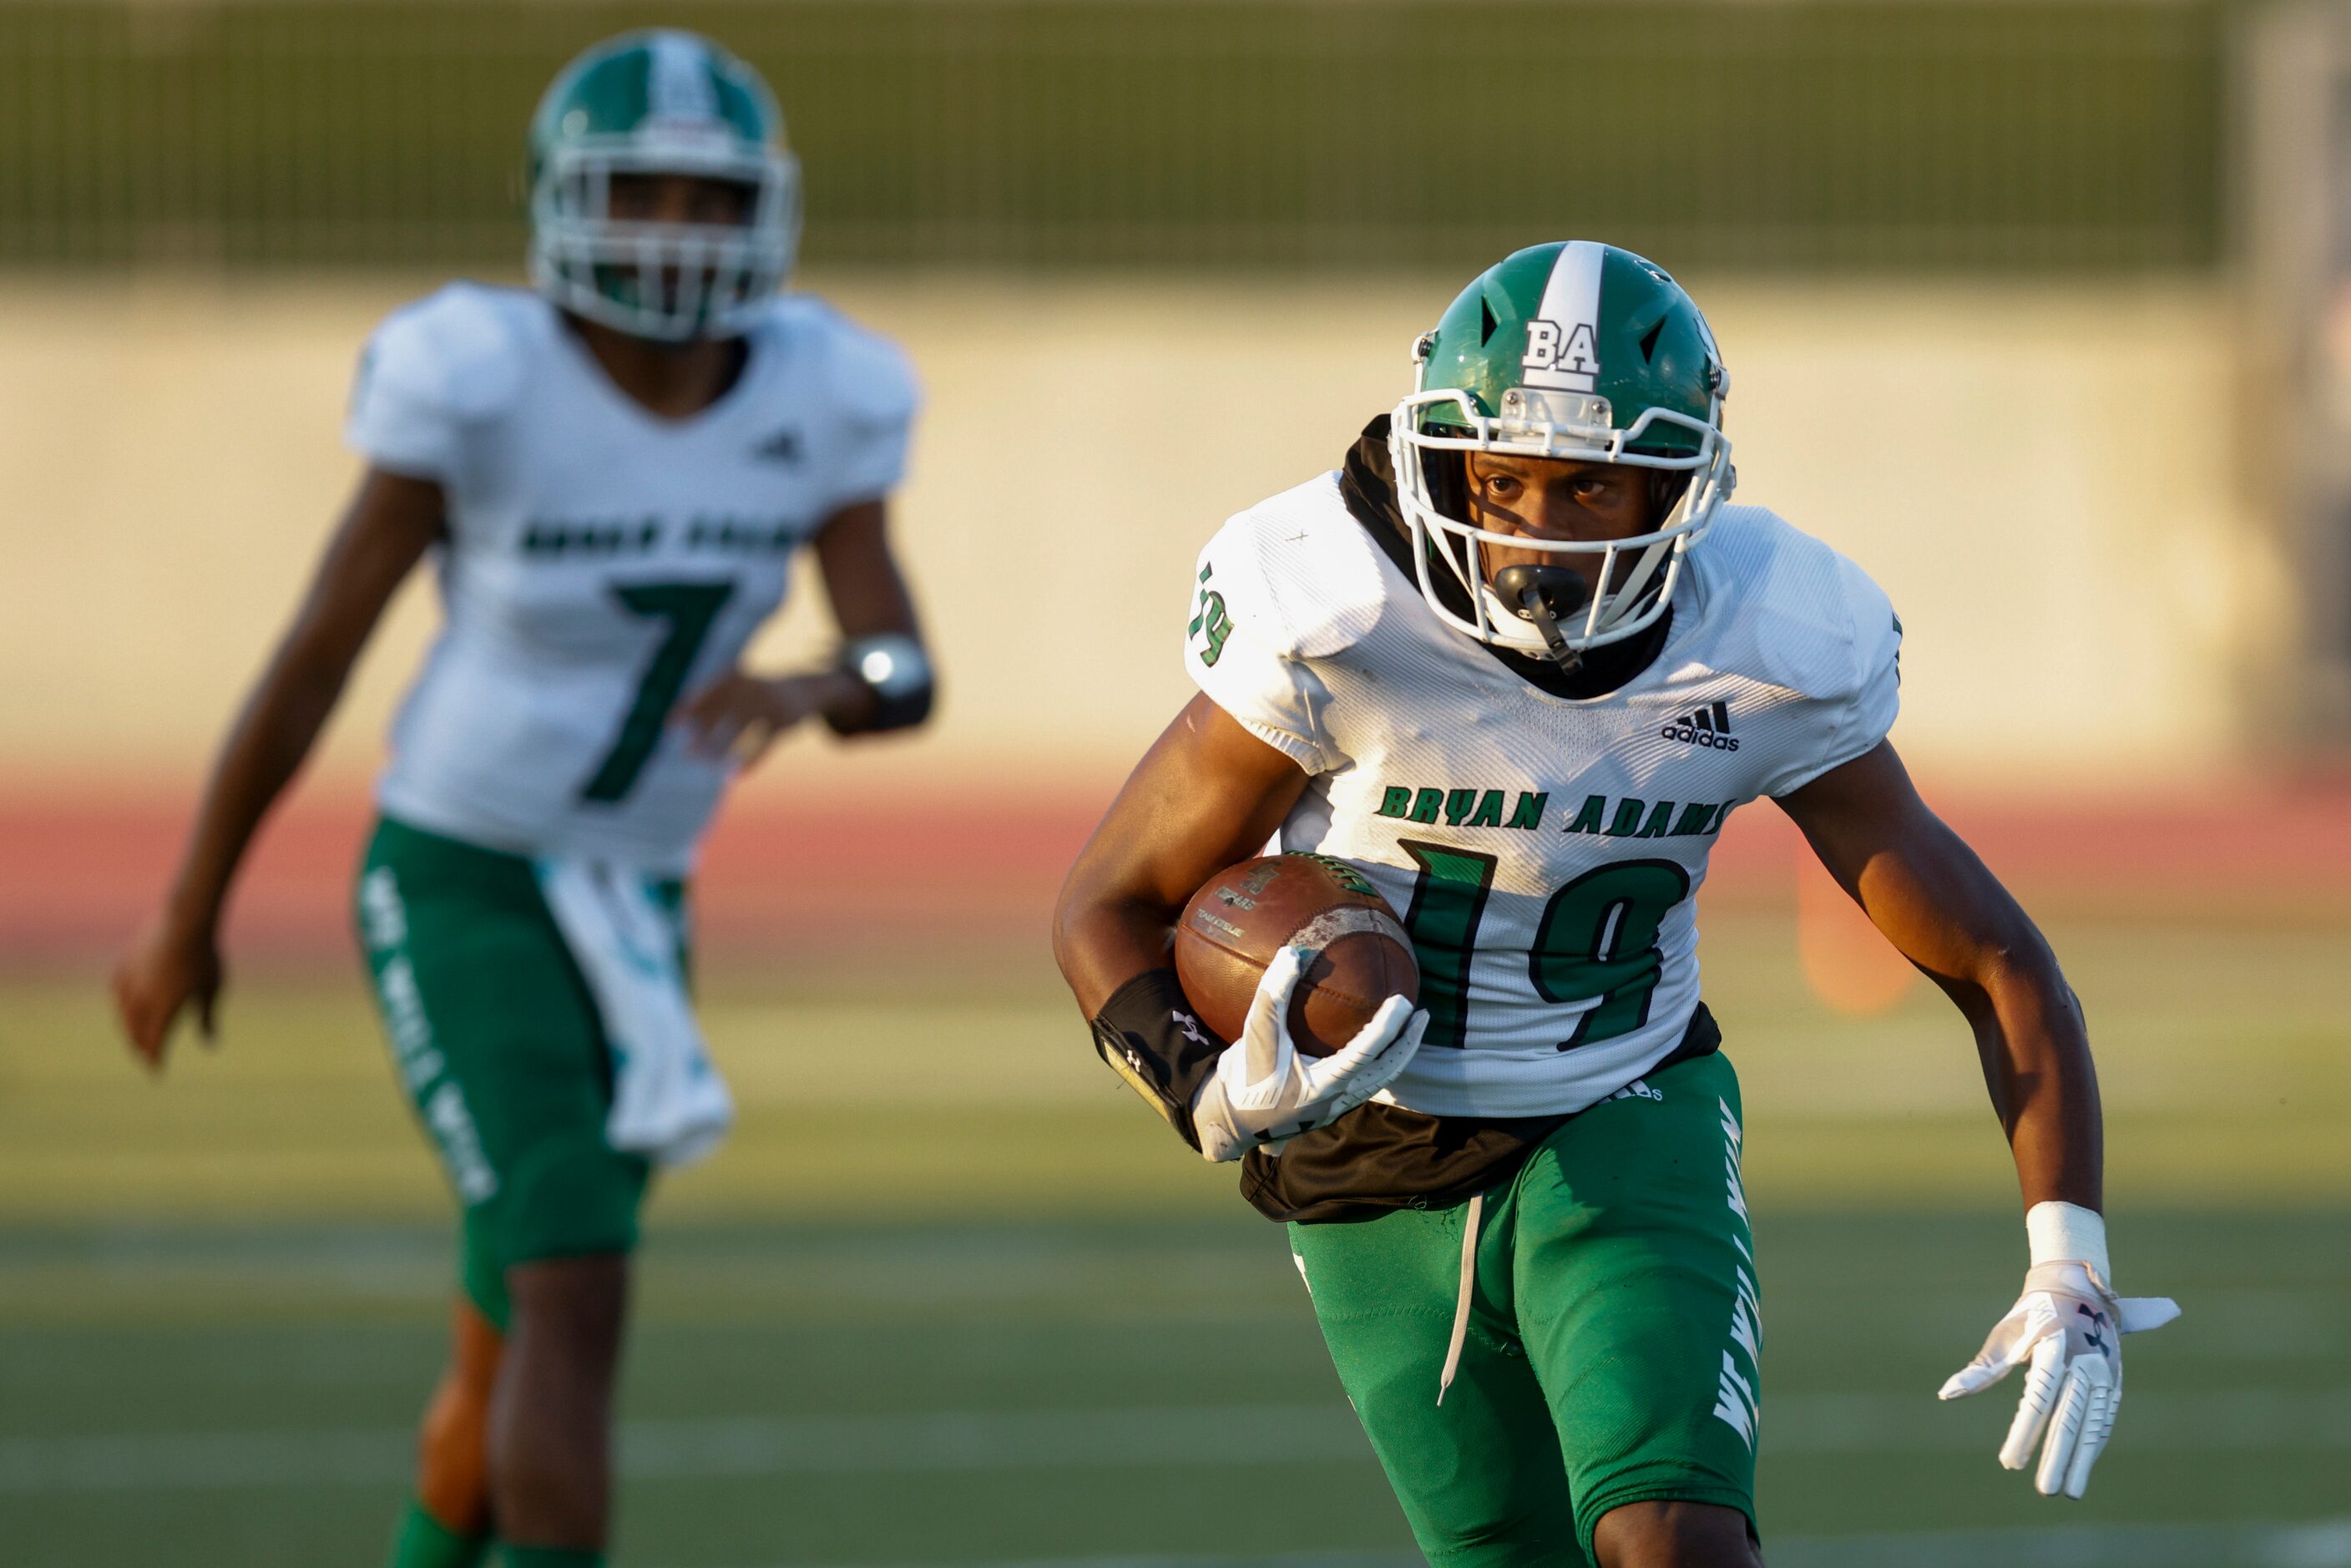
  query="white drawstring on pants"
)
[{"x": 1461, "y": 1307}]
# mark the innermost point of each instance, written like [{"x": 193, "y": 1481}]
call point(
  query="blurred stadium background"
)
[{"x": 2032, "y": 308}]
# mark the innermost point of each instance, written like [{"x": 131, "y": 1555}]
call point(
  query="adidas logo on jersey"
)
[
  {"x": 1708, "y": 726},
  {"x": 784, "y": 447}
]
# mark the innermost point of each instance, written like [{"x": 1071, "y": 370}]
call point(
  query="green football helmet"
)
[
  {"x": 1576, "y": 350},
  {"x": 660, "y": 102}
]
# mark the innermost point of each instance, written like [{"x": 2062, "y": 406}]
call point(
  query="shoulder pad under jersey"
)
[
  {"x": 867, "y": 377},
  {"x": 1298, "y": 572},
  {"x": 1787, "y": 609},
  {"x": 460, "y": 351}
]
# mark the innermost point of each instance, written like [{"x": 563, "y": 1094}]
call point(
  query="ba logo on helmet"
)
[{"x": 1550, "y": 348}]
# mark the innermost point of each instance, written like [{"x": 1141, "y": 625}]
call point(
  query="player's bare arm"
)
[
  {"x": 1945, "y": 912},
  {"x": 742, "y": 715},
  {"x": 175, "y": 963},
  {"x": 1208, "y": 793}
]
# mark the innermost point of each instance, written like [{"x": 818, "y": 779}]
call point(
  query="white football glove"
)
[
  {"x": 1266, "y": 1089},
  {"x": 2067, "y": 1326}
]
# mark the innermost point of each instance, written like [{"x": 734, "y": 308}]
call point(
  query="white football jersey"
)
[
  {"x": 602, "y": 562},
  {"x": 1545, "y": 852}
]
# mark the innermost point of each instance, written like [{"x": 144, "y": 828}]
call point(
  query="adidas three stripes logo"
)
[{"x": 1708, "y": 726}]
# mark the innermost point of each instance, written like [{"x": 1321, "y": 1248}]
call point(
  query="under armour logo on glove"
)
[{"x": 2075, "y": 1383}]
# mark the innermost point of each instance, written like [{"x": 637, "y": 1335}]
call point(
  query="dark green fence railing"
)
[{"x": 1350, "y": 133}]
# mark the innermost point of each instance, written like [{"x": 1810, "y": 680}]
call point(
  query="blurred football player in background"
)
[
  {"x": 1516, "y": 661},
  {"x": 613, "y": 475}
]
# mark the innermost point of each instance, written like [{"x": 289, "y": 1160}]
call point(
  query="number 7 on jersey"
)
[{"x": 689, "y": 608}]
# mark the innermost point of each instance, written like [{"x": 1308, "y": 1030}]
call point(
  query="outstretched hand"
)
[
  {"x": 2067, "y": 1329},
  {"x": 165, "y": 974},
  {"x": 739, "y": 715}
]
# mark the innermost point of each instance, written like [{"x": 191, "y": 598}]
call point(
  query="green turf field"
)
[{"x": 952, "y": 1297}]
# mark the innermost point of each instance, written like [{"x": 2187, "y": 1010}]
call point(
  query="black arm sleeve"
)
[{"x": 1150, "y": 1035}]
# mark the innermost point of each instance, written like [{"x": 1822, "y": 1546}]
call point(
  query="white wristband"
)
[{"x": 2068, "y": 1233}]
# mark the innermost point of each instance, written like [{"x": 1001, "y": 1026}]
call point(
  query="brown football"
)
[{"x": 1246, "y": 913}]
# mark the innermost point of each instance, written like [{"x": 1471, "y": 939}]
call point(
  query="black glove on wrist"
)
[{"x": 1152, "y": 1038}]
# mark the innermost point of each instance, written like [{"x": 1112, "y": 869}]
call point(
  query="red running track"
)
[{"x": 976, "y": 870}]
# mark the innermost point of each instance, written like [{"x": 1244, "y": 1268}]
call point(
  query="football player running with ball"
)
[
  {"x": 1516, "y": 662},
  {"x": 612, "y": 474}
]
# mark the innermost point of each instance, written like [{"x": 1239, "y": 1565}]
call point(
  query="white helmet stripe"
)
[
  {"x": 1563, "y": 341},
  {"x": 681, "y": 82}
]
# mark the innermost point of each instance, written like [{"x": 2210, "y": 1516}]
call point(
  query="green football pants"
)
[
  {"x": 496, "y": 1038},
  {"x": 1579, "y": 1338}
]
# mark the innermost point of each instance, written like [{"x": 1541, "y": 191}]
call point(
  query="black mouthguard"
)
[{"x": 1546, "y": 595}]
